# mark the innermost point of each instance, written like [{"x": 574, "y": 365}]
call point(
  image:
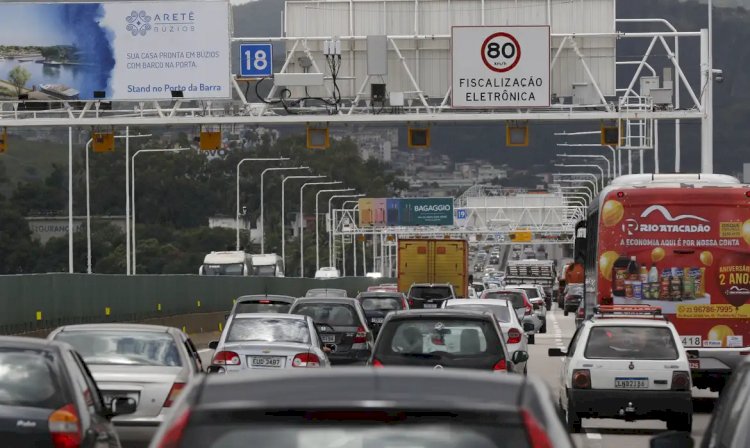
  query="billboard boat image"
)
[{"x": 60, "y": 91}]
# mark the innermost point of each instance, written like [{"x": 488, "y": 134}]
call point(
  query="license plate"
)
[
  {"x": 430, "y": 305},
  {"x": 631, "y": 383},
  {"x": 267, "y": 361},
  {"x": 377, "y": 320},
  {"x": 329, "y": 338},
  {"x": 109, "y": 396},
  {"x": 695, "y": 363}
]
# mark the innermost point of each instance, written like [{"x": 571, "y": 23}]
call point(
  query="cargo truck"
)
[
  {"x": 536, "y": 272},
  {"x": 434, "y": 261}
]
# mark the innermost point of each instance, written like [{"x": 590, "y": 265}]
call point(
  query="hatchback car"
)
[
  {"x": 326, "y": 292},
  {"x": 149, "y": 363},
  {"x": 505, "y": 315},
  {"x": 572, "y": 297},
  {"x": 429, "y": 295},
  {"x": 267, "y": 341},
  {"x": 49, "y": 399},
  {"x": 367, "y": 408},
  {"x": 522, "y": 305},
  {"x": 444, "y": 339},
  {"x": 535, "y": 294},
  {"x": 626, "y": 367},
  {"x": 377, "y": 305},
  {"x": 262, "y": 303},
  {"x": 342, "y": 325}
]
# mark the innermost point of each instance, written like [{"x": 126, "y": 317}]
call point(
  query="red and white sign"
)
[{"x": 500, "y": 66}]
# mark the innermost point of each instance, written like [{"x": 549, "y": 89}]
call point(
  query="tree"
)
[{"x": 19, "y": 76}]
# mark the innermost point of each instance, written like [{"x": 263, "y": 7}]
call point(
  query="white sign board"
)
[
  {"x": 120, "y": 50},
  {"x": 500, "y": 66}
]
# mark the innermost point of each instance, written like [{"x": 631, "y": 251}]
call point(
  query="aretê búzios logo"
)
[{"x": 138, "y": 23}]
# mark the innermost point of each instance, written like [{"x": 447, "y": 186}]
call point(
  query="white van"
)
[{"x": 237, "y": 262}]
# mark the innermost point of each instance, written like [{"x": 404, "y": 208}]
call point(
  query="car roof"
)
[
  {"x": 372, "y": 294},
  {"x": 270, "y": 316},
  {"x": 119, "y": 327},
  {"x": 326, "y": 289},
  {"x": 30, "y": 343},
  {"x": 431, "y": 284},
  {"x": 254, "y": 297},
  {"x": 358, "y": 387},
  {"x": 628, "y": 322},
  {"x": 342, "y": 300},
  {"x": 454, "y": 302},
  {"x": 440, "y": 312}
]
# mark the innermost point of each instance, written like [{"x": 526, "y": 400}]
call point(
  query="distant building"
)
[
  {"x": 44, "y": 228},
  {"x": 227, "y": 222}
]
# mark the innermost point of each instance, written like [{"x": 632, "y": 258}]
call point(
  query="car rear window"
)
[
  {"x": 430, "y": 292},
  {"x": 516, "y": 298},
  {"x": 457, "y": 336},
  {"x": 351, "y": 432},
  {"x": 501, "y": 312},
  {"x": 381, "y": 303},
  {"x": 326, "y": 293},
  {"x": 268, "y": 330},
  {"x": 531, "y": 293},
  {"x": 333, "y": 314},
  {"x": 27, "y": 378},
  {"x": 135, "y": 348},
  {"x": 263, "y": 306},
  {"x": 631, "y": 342}
]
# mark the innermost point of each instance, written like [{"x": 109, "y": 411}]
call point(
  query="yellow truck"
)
[{"x": 433, "y": 261}]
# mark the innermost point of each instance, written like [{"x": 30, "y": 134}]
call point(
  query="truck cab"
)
[{"x": 234, "y": 262}]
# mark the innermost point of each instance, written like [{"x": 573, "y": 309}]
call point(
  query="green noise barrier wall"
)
[{"x": 36, "y": 302}]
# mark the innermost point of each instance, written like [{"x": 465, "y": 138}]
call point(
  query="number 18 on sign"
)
[
  {"x": 501, "y": 66},
  {"x": 256, "y": 60}
]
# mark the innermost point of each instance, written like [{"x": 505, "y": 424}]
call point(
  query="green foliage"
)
[
  {"x": 18, "y": 250},
  {"x": 19, "y": 76}
]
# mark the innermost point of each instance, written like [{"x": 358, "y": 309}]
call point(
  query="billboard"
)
[
  {"x": 407, "y": 212},
  {"x": 124, "y": 50},
  {"x": 500, "y": 66}
]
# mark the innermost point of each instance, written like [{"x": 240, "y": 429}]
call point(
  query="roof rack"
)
[{"x": 627, "y": 311}]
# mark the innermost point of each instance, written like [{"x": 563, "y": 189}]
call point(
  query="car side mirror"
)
[
  {"x": 519, "y": 356},
  {"x": 213, "y": 344},
  {"x": 556, "y": 352},
  {"x": 672, "y": 439},
  {"x": 122, "y": 406},
  {"x": 528, "y": 326}
]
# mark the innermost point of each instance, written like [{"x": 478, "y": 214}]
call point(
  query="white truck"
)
[{"x": 242, "y": 263}]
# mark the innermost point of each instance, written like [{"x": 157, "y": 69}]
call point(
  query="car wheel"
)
[
  {"x": 565, "y": 313},
  {"x": 680, "y": 422},
  {"x": 531, "y": 339},
  {"x": 572, "y": 422}
]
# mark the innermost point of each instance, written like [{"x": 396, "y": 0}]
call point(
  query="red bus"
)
[{"x": 680, "y": 242}]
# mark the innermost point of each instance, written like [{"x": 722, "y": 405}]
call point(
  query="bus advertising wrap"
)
[
  {"x": 120, "y": 50},
  {"x": 691, "y": 259}
]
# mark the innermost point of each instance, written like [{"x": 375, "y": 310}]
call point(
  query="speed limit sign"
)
[{"x": 500, "y": 66}]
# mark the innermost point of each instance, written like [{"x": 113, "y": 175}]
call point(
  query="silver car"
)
[
  {"x": 326, "y": 292},
  {"x": 268, "y": 341},
  {"x": 506, "y": 317},
  {"x": 148, "y": 363}
]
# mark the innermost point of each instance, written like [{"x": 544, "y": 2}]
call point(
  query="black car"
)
[
  {"x": 48, "y": 398},
  {"x": 368, "y": 408},
  {"x": 447, "y": 338},
  {"x": 378, "y": 304},
  {"x": 428, "y": 295},
  {"x": 342, "y": 326},
  {"x": 262, "y": 303}
]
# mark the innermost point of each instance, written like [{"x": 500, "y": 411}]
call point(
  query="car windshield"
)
[
  {"x": 27, "y": 378},
  {"x": 574, "y": 289},
  {"x": 501, "y": 312},
  {"x": 382, "y": 303},
  {"x": 403, "y": 432},
  {"x": 263, "y": 305},
  {"x": 430, "y": 292},
  {"x": 631, "y": 342},
  {"x": 458, "y": 336},
  {"x": 264, "y": 271},
  {"x": 516, "y": 298},
  {"x": 326, "y": 293},
  {"x": 135, "y": 348},
  {"x": 333, "y": 314},
  {"x": 223, "y": 269},
  {"x": 268, "y": 330}
]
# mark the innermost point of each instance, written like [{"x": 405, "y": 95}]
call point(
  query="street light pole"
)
[
  {"x": 594, "y": 186},
  {"x": 302, "y": 222},
  {"x": 283, "y": 225},
  {"x": 601, "y": 170},
  {"x": 132, "y": 193},
  {"x": 616, "y": 154},
  {"x": 591, "y": 156},
  {"x": 331, "y": 216},
  {"x": 262, "y": 221},
  {"x": 317, "y": 231},
  {"x": 237, "y": 211}
]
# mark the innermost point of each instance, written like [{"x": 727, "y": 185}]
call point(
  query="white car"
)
[
  {"x": 507, "y": 319},
  {"x": 626, "y": 366},
  {"x": 535, "y": 293},
  {"x": 268, "y": 341},
  {"x": 326, "y": 273},
  {"x": 522, "y": 305}
]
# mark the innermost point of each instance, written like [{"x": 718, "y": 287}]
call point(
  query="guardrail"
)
[{"x": 35, "y": 302}]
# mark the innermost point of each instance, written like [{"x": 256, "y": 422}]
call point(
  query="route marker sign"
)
[{"x": 256, "y": 60}]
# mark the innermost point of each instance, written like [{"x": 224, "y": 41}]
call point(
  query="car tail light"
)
[
  {"x": 376, "y": 363},
  {"x": 404, "y": 303},
  {"x": 65, "y": 427},
  {"x": 174, "y": 392},
  {"x": 537, "y": 437},
  {"x": 501, "y": 366},
  {"x": 680, "y": 380},
  {"x": 224, "y": 358},
  {"x": 361, "y": 336},
  {"x": 581, "y": 379},
  {"x": 264, "y": 302},
  {"x": 411, "y": 302},
  {"x": 528, "y": 309},
  {"x": 306, "y": 360},
  {"x": 173, "y": 435},
  {"x": 580, "y": 313},
  {"x": 514, "y": 336}
]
